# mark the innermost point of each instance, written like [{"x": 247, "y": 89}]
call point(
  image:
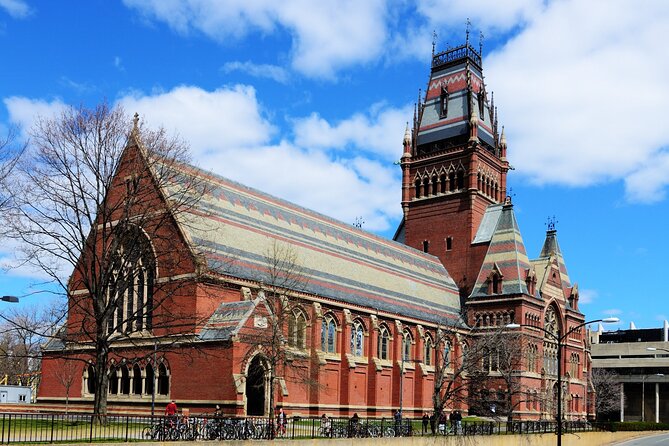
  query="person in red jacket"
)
[{"x": 171, "y": 409}]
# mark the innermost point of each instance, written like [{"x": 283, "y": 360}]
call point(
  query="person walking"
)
[{"x": 426, "y": 421}]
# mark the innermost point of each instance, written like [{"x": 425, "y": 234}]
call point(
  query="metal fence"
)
[{"x": 60, "y": 428}]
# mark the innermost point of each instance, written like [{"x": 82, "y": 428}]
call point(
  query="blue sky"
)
[{"x": 309, "y": 100}]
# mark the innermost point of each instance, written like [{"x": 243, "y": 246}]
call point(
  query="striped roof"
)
[
  {"x": 506, "y": 254},
  {"x": 234, "y": 227}
]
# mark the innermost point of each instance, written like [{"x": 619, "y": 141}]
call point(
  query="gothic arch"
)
[{"x": 257, "y": 386}]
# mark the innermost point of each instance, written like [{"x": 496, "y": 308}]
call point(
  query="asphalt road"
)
[{"x": 651, "y": 440}]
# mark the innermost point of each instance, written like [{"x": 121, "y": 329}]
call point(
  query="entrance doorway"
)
[{"x": 255, "y": 388}]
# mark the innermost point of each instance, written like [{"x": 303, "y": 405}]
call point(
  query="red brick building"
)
[{"x": 362, "y": 334}]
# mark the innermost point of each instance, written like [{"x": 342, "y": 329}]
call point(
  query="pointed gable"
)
[
  {"x": 550, "y": 265},
  {"x": 506, "y": 259}
]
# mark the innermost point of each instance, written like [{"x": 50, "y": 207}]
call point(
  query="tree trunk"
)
[
  {"x": 101, "y": 383},
  {"x": 271, "y": 403}
]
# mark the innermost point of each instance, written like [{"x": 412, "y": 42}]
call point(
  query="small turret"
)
[
  {"x": 474, "y": 126},
  {"x": 407, "y": 143},
  {"x": 502, "y": 145}
]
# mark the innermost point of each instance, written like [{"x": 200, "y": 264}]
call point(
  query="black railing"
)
[
  {"x": 61, "y": 428},
  {"x": 457, "y": 53}
]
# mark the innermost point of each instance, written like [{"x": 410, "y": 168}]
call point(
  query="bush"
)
[{"x": 633, "y": 426}]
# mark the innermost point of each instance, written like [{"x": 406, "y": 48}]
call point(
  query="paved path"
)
[{"x": 649, "y": 440}]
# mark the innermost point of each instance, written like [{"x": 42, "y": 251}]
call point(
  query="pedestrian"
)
[
  {"x": 353, "y": 425},
  {"x": 281, "y": 421},
  {"x": 433, "y": 422},
  {"x": 426, "y": 421},
  {"x": 458, "y": 421},
  {"x": 442, "y": 423},
  {"x": 171, "y": 409},
  {"x": 398, "y": 423},
  {"x": 326, "y": 426}
]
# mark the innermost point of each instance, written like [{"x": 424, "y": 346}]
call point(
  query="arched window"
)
[
  {"x": 113, "y": 381},
  {"x": 136, "y": 380},
  {"x": 384, "y": 341},
  {"x": 448, "y": 352},
  {"x": 163, "y": 380},
  {"x": 297, "y": 329},
  {"x": 329, "y": 334},
  {"x": 427, "y": 355},
  {"x": 461, "y": 179},
  {"x": 149, "y": 379},
  {"x": 406, "y": 345},
  {"x": 130, "y": 290},
  {"x": 125, "y": 380},
  {"x": 357, "y": 338},
  {"x": 550, "y": 341},
  {"x": 89, "y": 377},
  {"x": 417, "y": 184}
]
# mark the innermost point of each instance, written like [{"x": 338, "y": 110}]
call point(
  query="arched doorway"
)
[{"x": 255, "y": 388}]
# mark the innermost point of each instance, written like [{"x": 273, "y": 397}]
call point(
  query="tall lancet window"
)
[
  {"x": 130, "y": 289},
  {"x": 443, "y": 102}
]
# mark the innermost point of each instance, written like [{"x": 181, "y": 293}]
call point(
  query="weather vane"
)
[{"x": 551, "y": 222}]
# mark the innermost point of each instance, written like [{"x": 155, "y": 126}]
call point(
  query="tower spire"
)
[{"x": 469, "y": 24}]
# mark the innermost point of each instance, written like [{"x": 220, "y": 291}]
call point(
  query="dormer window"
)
[
  {"x": 443, "y": 102},
  {"x": 495, "y": 281}
]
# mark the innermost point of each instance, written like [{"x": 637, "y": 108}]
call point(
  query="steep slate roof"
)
[
  {"x": 506, "y": 253},
  {"x": 227, "y": 320},
  {"x": 234, "y": 226}
]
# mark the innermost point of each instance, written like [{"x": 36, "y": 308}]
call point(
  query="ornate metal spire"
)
[
  {"x": 469, "y": 24},
  {"x": 551, "y": 222},
  {"x": 481, "y": 37},
  {"x": 434, "y": 41}
]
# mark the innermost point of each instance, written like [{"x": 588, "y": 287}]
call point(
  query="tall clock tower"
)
[{"x": 454, "y": 165}]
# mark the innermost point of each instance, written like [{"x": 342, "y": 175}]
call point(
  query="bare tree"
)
[
  {"x": 607, "y": 392},
  {"x": 10, "y": 152},
  {"x": 66, "y": 375},
  {"x": 454, "y": 362},
  {"x": 20, "y": 341},
  {"x": 94, "y": 207},
  {"x": 501, "y": 365},
  {"x": 281, "y": 338}
]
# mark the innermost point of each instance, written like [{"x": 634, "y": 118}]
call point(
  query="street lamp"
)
[
  {"x": 559, "y": 339},
  {"x": 12, "y": 299},
  {"x": 654, "y": 349}
]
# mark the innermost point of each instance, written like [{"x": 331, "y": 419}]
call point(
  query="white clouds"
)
[
  {"x": 484, "y": 14},
  {"x": 587, "y": 296},
  {"x": 326, "y": 36},
  {"x": 118, "y": 63},
  {"x": 217, "y": 120},
  {"x": 23, "y": 112},
  {"x": 15, "y": 8},
  {"x": 229, "y": 135},
  {"x": 380, "y": 132},
  {"x": 580, "y": 90},
  {"x": 274, "y": 72}
]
